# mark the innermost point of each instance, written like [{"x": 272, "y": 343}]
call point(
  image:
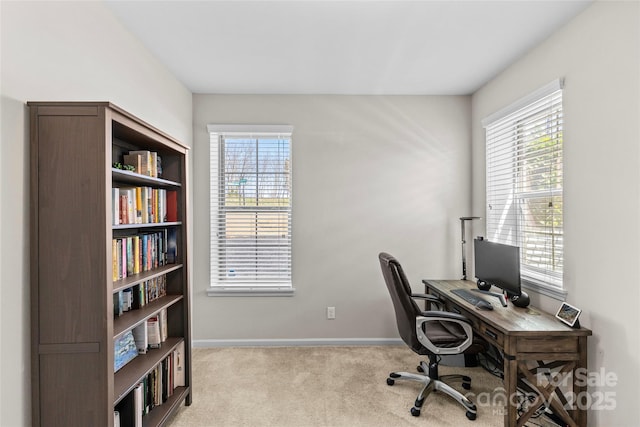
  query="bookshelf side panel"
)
[
  {"x": 71, "y": 222},
  {"x": 68, "y": 390}
]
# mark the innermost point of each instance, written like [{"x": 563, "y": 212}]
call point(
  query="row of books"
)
[
  {"x": 144, "y": 162},
  {"x": 152, "y": 391},
  {"x": 143, "y": 252},
  {"x": 152, "y": 333},
  {"x": 139, "y": 295},
  {"x": 143, "y": 205},
  {"x": 148, "y": 335}
]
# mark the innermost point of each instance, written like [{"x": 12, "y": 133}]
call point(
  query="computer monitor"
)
[{"x": 499, "y": 265}]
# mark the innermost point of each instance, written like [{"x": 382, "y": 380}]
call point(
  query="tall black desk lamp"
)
[{"x": 464, "y": 219}]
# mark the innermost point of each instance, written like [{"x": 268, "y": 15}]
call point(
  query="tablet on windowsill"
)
[{"x": 568, "y": 314}]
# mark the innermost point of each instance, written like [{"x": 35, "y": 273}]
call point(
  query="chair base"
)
[{"x": 437, "y": 383}]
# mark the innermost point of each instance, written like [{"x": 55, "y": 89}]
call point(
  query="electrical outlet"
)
[{"x": 331, "y": 312}]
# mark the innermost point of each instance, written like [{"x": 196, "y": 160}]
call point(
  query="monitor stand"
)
[{"x": 498, "y": 295}]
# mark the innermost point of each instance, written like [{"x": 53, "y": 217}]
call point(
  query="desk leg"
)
[
  {"x": 511, "y": 385},
  {"x": 581, "y": 414}
]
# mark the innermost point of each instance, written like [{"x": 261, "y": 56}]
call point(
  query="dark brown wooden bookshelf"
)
[{"x": 73, "y": 325}]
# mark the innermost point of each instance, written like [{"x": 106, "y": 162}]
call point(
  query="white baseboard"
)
[{"x": 296, "y": 342}]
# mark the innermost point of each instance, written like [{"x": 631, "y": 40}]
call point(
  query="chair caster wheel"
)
[
  {"x": 390, "y": 381},
  {"x": 416, "y": 412},
  {"x": 471, "y": 415},
  {"x": 466, "y": 382}
]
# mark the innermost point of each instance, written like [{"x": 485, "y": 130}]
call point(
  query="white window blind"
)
[
  {"x": 524, "y": 184},
  {"x": 250, "y": 187}
]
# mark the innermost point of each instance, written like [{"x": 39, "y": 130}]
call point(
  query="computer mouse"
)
[{"x": 484, "y": 305}]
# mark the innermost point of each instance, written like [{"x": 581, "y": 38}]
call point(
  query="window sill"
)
[
  {"x": 241, "y": 291},
  {"x": 555, "y": 293}
]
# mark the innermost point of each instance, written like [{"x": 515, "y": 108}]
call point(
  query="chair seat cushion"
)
[
  {"x": 449, "y": 334},
  {"x": 445, "y": 334}
]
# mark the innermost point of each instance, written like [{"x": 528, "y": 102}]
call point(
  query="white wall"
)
[
  {"x": 598, "y": 54},
  {"x": 370, "y": 174},
  {"x": 62, "y": 51}
]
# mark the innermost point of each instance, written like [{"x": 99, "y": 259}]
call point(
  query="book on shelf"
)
[
  {"x": 141, "y": 338},
  {"x": 125, "y": 350},
  {"x": 138, "y": 403},
  {"x": 136, "y": 253},
  {"x": 158, "y": 166},
  {"x": 162, "y": 205},
  {"x": 145, "y": 161},
  {"x": 148, "y": 204},
  {"x": 127, "y": 299},
  {"x": 117, "y": 304},
  {"x": 158, "y": 385},
  {"x": 130, "y": 256},
  {"x": 172, "y": 246},
  {"x": 172, "y": 206},
  {"x": 139, "y": 296},
  {"x": 154, "y": 164},
  {"x": 153, "y": 332},
  {"x": 166, "y": 380},
  {"x": 115, "y": 205},
  {"x": 162, "y": 320},
  {"x": 138, "y": 205},
  {"x": 127, "y": 205},
  {"x": 156, "y": 288},
  {"x": 114, "y": 260},
  {"x": 178, "y": 365},
  {"x": 123, "y": 203}
]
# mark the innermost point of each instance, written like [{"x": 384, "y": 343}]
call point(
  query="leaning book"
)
[{"x": 125, "y": 350}]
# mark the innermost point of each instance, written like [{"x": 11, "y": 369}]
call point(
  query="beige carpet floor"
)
[{"x": 323, "y": 387}]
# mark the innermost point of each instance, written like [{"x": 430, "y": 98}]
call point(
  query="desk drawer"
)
[
  {"x": 491, "y": 334},
  {"x": 552, "y": 344}
]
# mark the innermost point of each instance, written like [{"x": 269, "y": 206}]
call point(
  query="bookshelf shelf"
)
[
  {"x": 129, "y": 177},
  {"x": 130, "y": 281},
  {"x": 133, "y": 318},
  {"x": 146, "y": 226},
  {"x": 76, "y": 252}
]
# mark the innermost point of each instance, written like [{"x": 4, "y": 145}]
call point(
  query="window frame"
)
[
  {"x": 511, "y": 121},
  {"x": 217, "y": 285}
]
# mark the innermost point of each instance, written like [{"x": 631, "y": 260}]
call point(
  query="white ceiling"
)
[{"x": 341, "y": 47}]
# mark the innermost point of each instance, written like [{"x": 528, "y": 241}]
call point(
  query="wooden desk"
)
[{"x": 531, "y": 340}]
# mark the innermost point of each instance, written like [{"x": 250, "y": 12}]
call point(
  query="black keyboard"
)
[{"x": 467, "y": 295}]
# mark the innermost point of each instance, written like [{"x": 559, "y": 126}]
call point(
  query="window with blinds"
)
[
  {"x": 250, "y": 209},
  {"x": 524, "y": 184}
]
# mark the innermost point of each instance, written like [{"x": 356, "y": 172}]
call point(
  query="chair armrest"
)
[
  {"x": 443, "y": 316},
  {"x": 446, "y": 315},
  {"x": 429, "y": 298}
]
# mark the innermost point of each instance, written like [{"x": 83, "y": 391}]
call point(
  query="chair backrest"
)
[{"x": 407, "y": 310}]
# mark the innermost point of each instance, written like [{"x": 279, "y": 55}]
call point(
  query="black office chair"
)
[{"x": 428, "y": 333}]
